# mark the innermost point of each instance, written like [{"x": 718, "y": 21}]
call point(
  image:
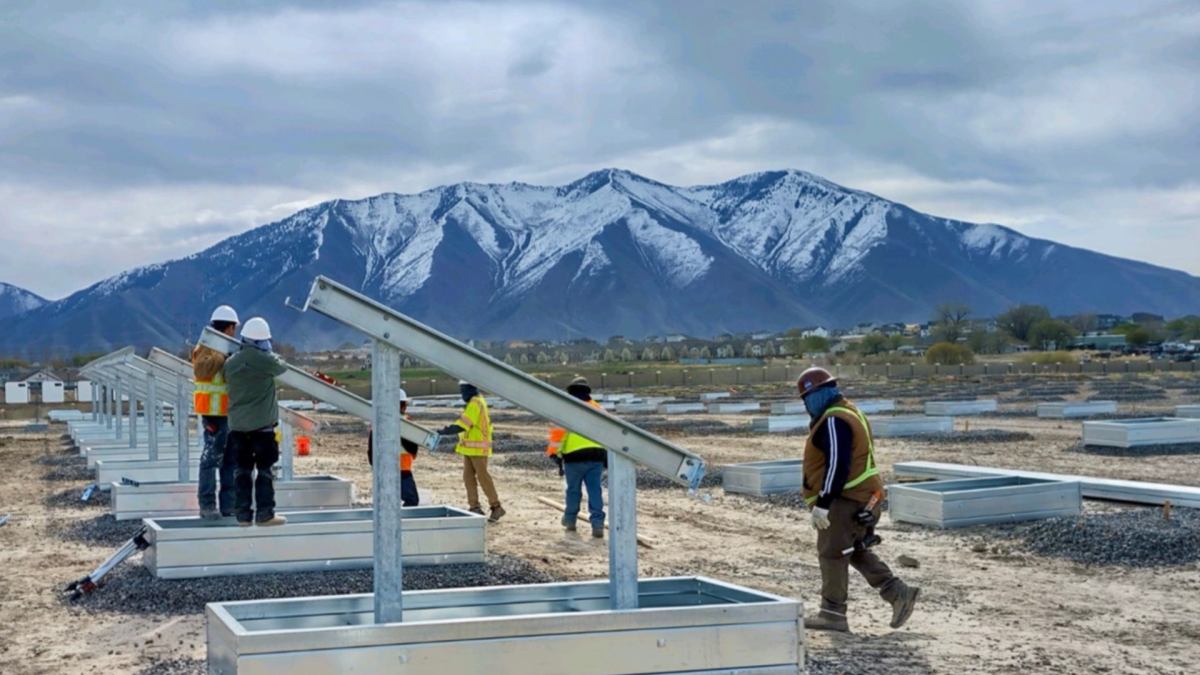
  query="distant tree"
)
[
  {"x": 648, "y": 354},
  {"x": 524, "y": 360},
  {"x": 1138, "y": 336},
  {"x": 693, "y": 353},
  {"x": 950, "y": 321},
  {"x": 1184, "y": 328},
  {"x": 949, "y": 354},
  {"x": 543, "y": 357},
  {"x": 987, "y": 343},
  {"x": 508, "y": 358},
  {"x": 666, "y": 354},
  {"x": 873, "y": 343},
  {"x": 813, "y": 344},
  {"x": 81, "y": 359},
  {"x": 1050, "y": 335},
  {"x": 626, "y": 355},
  {"x": 1020, "y": 319},
  {"x": 562, "y": 357},
  {"x": 1084, "y": 323},
  {"x": 610, "y": 356},
  {"x": 894, "y": 342},
  {"x": 704, "y": 353},
  {"x": 747, "y": 350}
]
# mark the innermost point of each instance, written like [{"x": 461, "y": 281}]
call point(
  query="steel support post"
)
[
  {"x": 287, "y": 451},
  {"x": 152, "y": 419},
  {"x": 133, "y": 415},
  {"x": 120, "y": 407},
  {"x": 181, "y": 428},
  {"x": 389, "y": 571},
  {"x": 95, "y": 401},
  {"x": 622, "y": 536},
  {"x": 107, "y": 406}
]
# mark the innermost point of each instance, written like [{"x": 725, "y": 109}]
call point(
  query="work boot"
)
[
  {"x": 210, "y": 514},
  {"x": 827, "y": 620},
  {"x": 497, "y": 513},
  {"x": 902, "y": 606},
  {"x": 476, "y": 509},
  {"x": 273, "y": 521},
  {"x": 245, "y": 523},
  {"x": 568, "y": 524},
  {"x": 597, "y": 532}
]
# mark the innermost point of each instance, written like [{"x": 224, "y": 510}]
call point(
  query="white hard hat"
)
[
  {"x": 256, "y": 329},
  {"x": 463, "y": 382},
  {"x": 224, "y": 313},
  {"x": 404, "y": 396}
]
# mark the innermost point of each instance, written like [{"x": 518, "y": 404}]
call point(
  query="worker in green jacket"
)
[{"x": 253, "y": 415}]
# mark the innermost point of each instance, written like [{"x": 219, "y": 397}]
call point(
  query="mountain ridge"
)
[
  {"x": 15, "y": 300},
  {"x": 610, "y": 253}
]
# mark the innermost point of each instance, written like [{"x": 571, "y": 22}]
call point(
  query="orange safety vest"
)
[
  {"x": 565, "y": 442},
  {"x": 210, "y": 397},
  {"x": 406, "y": 459}
]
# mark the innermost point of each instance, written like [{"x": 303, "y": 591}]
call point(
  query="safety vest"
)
[
  {"x": 865, "y": 475},
  {"x": 565, "y": 442},
  {"x": 476, "y": 439},
  {"x": 211, "y": 397}
]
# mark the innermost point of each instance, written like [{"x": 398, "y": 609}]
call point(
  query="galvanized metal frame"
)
[
  {"x": 685, "y": 625},
  {"x": 1110, "y": 489},
  {"x": 1139, "y": 432},
  {"x": 893, "y": 426},
  {"x": 778, "y": 476},
  {"x": 983, "y": 501},
  {"x": 1067, "y": 409},
  {"x": 970, "y": 407}
]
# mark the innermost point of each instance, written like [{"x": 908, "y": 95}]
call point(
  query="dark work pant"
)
[
  {"x": 217, "y": 458},
  {"x": 578, "y": 476},
  {"x": 408, "y": 490},
  {"x": 256, "y": 451},
  {"x": 841, "y": 534}
]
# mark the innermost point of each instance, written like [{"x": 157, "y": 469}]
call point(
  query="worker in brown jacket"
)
[
  {"x": 843, "y": 488},
  {"x": 210, "y": 400}
]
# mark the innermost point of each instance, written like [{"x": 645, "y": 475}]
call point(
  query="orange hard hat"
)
[{"x": 814, "y": 378}]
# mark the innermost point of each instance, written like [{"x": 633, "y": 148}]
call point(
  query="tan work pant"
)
[
  {"x": 841, "y": 534},
  {"x": 475, "y": 469}
]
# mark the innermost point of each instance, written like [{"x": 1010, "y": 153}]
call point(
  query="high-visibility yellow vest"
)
[
  {"x": 211, "y": 397},
  {"x": 563, "y": 442},
  {"x": 862, "y": 484},
  {"x": 476, "y": 439}
]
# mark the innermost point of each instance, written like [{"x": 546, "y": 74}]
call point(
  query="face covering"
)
[
  {"x": 264, "y": 345},
  {"x": 468, "y": 392},
  {"x": 819, "y": 399},
  {"x": 580, "y": 392}
]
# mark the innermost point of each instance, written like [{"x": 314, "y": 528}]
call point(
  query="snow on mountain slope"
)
[
  {"x": 612, "y": 252},
  {"x": 16, "y": 300}
]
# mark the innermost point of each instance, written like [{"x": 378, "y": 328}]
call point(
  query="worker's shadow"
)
[{"x": 898, "y": 651}]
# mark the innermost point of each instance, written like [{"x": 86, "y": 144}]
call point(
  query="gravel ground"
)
[
  {"x": 176, "y": 667},
  {"x": 1139, "y": 451},
  {"x": 70, "y": 499},
  {"x": 1129, "y": 538},
  {"x": 131, "y": 589},
  {"x": 102, "y": 530},
  {"x": 73, "y": 471},
  {"x": 646, "y": 480},
  {"x": 973, "y": 436}
]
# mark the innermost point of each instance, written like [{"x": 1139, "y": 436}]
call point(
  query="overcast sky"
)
[{"x": 136, "y": 132}]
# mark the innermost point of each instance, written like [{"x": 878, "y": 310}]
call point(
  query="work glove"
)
[{"x": 820, "y": 518}]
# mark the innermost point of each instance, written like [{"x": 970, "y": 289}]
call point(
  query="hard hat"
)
[
  {"x": 404, "y": 396},
  {"x": 814, "y": 378},
  {"x": 579, "y": 382},
  {"x": 464, "y": 383},
  {"x": 256, "y": 329},
  {"x": 224, "y": 313}
]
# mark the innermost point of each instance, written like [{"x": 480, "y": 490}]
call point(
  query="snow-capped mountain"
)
[
  {"x": 611, "y": 253},
  {"x": 16, "y": 300}
]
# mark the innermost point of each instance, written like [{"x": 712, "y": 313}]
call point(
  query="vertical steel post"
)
[
  {"x": 133, "y": 415},
  {"x": 152, "y": 420},
  {"x": 287, "y": 452},
  {"x": 181, "y": 428},
  {"x": 385, "y": 397},
  {"x": 622, "y": 536},
  {"x": 120, "y": 407},
  {"x": 104, "y": 405},
  {"x": 95, "y": 400}
]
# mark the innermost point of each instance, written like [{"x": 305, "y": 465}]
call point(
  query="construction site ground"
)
[{"x": 988, "y": 605}]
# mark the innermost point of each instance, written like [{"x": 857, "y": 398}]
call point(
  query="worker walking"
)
[
  {"x": 408, "y": 453},
  {"x": 474, "y": 430},
  {"x": 843, "y": 488},
  {"x": 253, "y": 416},
  {"x": 210, "y": 400},
  {"x": 582, "y": 461}
]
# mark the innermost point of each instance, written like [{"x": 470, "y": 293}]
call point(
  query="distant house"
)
[
  {"x": 1105, "y": 322},
  {"x": 1099, "y": 341},
  {"x": 676, "y": 337},
  {"x": 819, "y": 331},
  {"x": 39, "y": 386},
  {"x": 762, "y": 335}
]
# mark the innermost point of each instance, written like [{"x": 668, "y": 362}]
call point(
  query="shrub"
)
[
  {"x": 949, "y": 354},
  {"x": 1050, "y": 358}
]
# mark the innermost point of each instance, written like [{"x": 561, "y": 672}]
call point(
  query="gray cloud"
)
[{"x": 128, "y": 135}]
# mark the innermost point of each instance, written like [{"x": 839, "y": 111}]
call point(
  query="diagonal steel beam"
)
[
  {"x": 314, "y": 386},
  {"x": 384, "y": 323}
]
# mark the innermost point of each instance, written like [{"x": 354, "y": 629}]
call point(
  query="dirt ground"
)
[{"x": 983, "y": 609}]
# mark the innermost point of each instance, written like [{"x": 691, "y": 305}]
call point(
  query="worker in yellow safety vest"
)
[
  {"x": 211, "y": 401},
  {"x": 581, "y": 461},
  {"x": 474, "y": 430},
  {"x": 843, "y": 488}
]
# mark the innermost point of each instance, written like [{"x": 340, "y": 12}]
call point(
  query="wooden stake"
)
[
  {"x": 642, "y": 541},
  {"x": 1166, "y": 509}
]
